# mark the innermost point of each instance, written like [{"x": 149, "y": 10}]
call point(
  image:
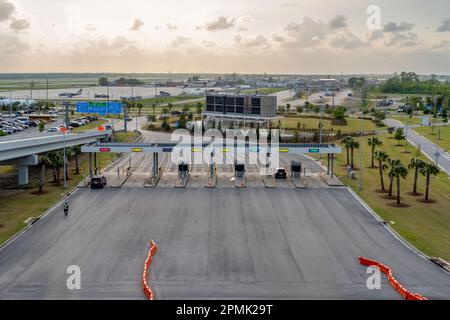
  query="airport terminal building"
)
[{"x": 229, "y": 108}]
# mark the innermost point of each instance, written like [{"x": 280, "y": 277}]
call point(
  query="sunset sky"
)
[{"x": 245, "y": 36}]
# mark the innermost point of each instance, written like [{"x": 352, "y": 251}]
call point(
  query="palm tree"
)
[
  {"x": 416, "y": 164},
  {"x": 56, "y": 161},
  {"x": 70, "y": 154},
  {"x": 382, "y": 158},
  {"x": 392, "y": 164},
  {"x": 427, "y": 170},
  {"x": 374, "y": 142},
  {"x": 353, "y": 145},
  {"x": 397, "y": 171},
  {"x": 44, "y": 161},
  {"x": 76, "y": 150},
  {"x": 139, "y": 106},
  {"x": 399, "y": 135},
  {"x": 347, "y": 141}
]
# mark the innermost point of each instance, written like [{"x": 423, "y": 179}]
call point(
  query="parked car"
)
[
  {"x": 129, "y": 118},
  {"x": 280, "y": 173},
  {"x": 98, "y": 182},
  {"x": 74, "y": 124}
]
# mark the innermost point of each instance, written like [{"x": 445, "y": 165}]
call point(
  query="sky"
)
[{"x": 225, "y": 36}]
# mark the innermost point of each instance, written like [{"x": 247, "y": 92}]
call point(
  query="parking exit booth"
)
[
  {"x": 183, "y": 170},
  {"x": 296, "y": 169},
  {"x": 239, "y": 169}
]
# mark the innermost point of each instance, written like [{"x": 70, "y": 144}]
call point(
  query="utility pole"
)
[
  {"x": 46, "y": 97},
  {"x": 361, "y": 142},
  {"x": 64, "y": 148},
  {"x": 321, "y": 124},
  {"x": 10, "y": 104}
]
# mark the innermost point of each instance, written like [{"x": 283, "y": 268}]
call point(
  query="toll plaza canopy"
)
[{"x": 247, "y": 147}]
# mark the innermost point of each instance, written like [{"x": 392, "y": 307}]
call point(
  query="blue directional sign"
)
[{"x": 100, "y": 108}]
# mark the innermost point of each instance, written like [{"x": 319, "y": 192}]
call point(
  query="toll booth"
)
[
  {"x": 296, "y": 169},
  {"x": 239, "y": 169},
  {"x": 183, "y": 170}
]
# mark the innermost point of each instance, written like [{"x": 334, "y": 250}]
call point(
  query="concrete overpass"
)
[{"x": 23, "y": 152}]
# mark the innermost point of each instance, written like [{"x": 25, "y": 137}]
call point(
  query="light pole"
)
[
  {"x": 10, "y": 104},
  {"x": 64, "y": 152},
  {"x": 361, "y": 142}
]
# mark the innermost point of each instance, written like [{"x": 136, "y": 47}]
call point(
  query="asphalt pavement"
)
[
  {"x": 223, "y": 243},
  {"x": 427, "y": 147}
]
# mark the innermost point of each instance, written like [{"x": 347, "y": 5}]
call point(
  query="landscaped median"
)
[
  {"x": 425, "y": 224},
  {"x": 436, "y": 134},
  {"x": 19, "y": 204}
]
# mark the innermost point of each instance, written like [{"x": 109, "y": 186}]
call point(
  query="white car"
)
[{"x": 54, "y": 129}]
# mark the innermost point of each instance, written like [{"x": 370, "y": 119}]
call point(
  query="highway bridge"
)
[{"x": 23, "y": 152}]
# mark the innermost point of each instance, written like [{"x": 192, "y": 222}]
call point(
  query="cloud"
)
[
  {"x": 138, "y": 24},
  {"x": 444, "y": 44},
  {"x": 277, "y": 38},
  {"x": 171, "y": 27},
  {"x": 375, "y": 35},
  {"x": 6, "y": 10},
  {"x": 347, "y": 40},
  {"x": 259, "y": 41},
  {"x": 90, "y": 28},
  {"x": 180, "y": 42},
  {"x": 221, "y": 23},
  {"x": 394, "y": 27},
  {"x": 338, "y": 22},
  {"x": 19, "y": 24},
  {"x": 399, "y": 39},
  {"x": 444, "y": 27},
  {"x": 11, "y": 45},
  {"x": 305, "y": 34}
]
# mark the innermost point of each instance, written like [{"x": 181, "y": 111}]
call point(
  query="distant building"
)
[{"x": 230, "y": 108}]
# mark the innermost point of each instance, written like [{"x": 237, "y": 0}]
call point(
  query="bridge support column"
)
[
  {"x": 155, "y": 167},
  {"x": 332, "y": 165},
  {"x": 90, "y": 164},
  {"x": 22, "y": 167},
  {"x": 23, "y": 175},
  {"x": 328, "y": 164},
  {"x": 95, "y": 163}
]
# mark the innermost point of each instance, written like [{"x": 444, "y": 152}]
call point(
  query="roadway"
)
[
  {"x": 212, "y": 243},
  {"x": 285, "y": 96},
  {"x": 427, "y": 147}
]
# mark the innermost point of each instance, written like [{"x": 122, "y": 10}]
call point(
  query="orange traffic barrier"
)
[
  {"x": 147, "y": 291},
  {"x": 392, "y": 281}
]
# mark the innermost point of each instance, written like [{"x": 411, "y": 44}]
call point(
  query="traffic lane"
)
[
  {"x": 246, "y": 243},
  {"x": 426, "y": 146}
]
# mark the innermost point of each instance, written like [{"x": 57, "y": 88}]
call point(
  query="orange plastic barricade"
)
[
  {"x": 147, "y": 291},
  {"x": 392, "y": 281}
]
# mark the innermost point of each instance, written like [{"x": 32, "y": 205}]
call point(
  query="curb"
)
[
  {"x": 391, "y": 230},
  {"x": 274, "y": 186}
]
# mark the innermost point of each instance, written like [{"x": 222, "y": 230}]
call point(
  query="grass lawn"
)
[
  {"x": 426, "y": 226},
  {"x": 432, "y": 134},
  {"x": 6, "y": 170},
  {"x": 265, "y": 90},
  {"x": 89, "y": 126},
  {"x": 353, "y": 124},
  {"x": 165, "y": 100},
  {"x": 415, "y": 120},
  {"x": 20, "y": 204}
]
